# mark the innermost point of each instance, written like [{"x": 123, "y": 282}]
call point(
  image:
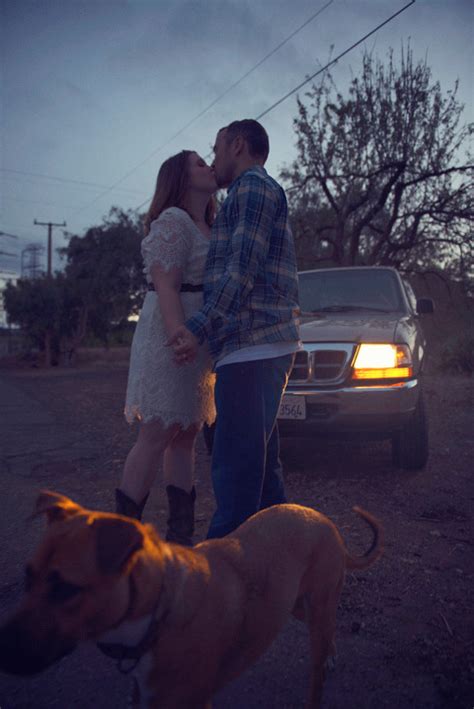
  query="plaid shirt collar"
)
[{"x": 235, "y": 182}]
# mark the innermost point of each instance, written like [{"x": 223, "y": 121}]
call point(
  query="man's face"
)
[{"x": 223, "y": 165}]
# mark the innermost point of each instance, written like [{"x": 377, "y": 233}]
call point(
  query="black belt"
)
[{"x": 185, "y": 287}]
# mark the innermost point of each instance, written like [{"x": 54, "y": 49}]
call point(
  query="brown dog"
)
[{"x": 186, "y": 620}]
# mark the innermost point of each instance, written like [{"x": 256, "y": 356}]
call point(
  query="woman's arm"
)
[{"x": 167, "y": 286}]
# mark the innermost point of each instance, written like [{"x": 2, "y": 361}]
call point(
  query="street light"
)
[{"x": 4, "y": 233}]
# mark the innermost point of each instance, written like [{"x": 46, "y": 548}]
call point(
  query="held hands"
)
[{"x": 185, "y": 345}]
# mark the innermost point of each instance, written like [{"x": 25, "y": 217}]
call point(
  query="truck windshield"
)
[{"x": 345, "y": 290}]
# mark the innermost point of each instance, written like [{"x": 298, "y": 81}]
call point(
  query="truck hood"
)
[{"x": 361, "y": 326}]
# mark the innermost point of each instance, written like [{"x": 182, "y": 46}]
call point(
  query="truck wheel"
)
[{"x": 410, "y": 445}]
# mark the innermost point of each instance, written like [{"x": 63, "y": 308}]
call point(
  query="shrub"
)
[{"x": 457, "y": 354}]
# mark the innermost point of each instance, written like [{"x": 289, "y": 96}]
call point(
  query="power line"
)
[
  {"x": 22, "y": 228},
  {"x": 11, "y": 236},
  {"x": 333, "y": 61},
  {"x": 43, "y": 202},
  {"x": 205, "y": 110},
  {"x": 308, "y": 79},
  {"x": 65, "y": 179},
  {"x": 259, "y": 64}
]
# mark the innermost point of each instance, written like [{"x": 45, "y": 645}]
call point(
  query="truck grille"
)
[
  {"x": 322, "y": 365},
  {"x": 328, "y": 364},
  {"x": 300, "y": 370}
]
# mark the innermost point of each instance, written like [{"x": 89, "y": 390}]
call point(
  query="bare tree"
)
[{"x": 383, "y": 175}]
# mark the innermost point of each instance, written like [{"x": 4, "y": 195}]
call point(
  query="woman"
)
[{"x": 170, "y": 402}]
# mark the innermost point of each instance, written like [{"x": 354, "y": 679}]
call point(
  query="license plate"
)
[{"x": 292, "y": 407}]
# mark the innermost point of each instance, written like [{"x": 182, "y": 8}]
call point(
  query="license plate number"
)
[{"x": 292, "y": 407}]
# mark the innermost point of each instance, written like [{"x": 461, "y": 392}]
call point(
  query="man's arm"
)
[{"x": 256, "y": 207}]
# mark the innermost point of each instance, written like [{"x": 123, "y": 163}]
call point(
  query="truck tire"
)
[{"x": 410, "y": 445}]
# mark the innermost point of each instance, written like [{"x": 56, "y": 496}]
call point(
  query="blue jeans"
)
[{"x": 246, "y": 468}]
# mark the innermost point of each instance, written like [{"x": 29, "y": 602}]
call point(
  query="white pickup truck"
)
[{"x": 359, "y": 374}]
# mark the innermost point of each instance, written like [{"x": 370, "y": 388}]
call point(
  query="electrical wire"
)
[
  {"x": 115, "y": 185},
  {"x": 333, "y": 61},
  {"x": 320, "y": 71},
  {"x": 64, "y": 179},
  {"x": 205, "y": 110}
]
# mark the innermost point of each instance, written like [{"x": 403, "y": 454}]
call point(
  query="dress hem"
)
[{"x": 168, "y": 419}]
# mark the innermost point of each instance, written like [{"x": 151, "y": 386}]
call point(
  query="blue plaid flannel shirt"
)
[{"x": 250, "y": 279}]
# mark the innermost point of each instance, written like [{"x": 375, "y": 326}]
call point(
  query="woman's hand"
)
[{"x": 185, "y": 345}]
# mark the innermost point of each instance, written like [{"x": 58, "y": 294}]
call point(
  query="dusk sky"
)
[{"x": 93, "y": 91}]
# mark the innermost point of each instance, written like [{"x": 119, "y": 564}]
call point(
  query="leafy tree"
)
[
  {"x": 102, "y": 284},
  {"x": 105, "y": 266},
  {"x": 47, "y": 309},
  {"x": 382, "y": 175}
]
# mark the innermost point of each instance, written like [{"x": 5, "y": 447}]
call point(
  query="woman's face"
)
[{"x": 200, "y": 175}]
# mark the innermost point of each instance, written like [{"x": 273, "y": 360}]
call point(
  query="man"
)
[{"x": 249, "y": 318}]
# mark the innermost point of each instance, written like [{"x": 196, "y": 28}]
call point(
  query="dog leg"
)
[
  {"x": 133, "y": 701},
  {"x": 321, "y": 620}
]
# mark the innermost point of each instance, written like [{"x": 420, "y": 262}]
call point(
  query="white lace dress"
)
[{"x": 157, "y": 387}]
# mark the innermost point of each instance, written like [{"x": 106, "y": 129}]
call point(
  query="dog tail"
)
[{"x": 354, "y": 563}]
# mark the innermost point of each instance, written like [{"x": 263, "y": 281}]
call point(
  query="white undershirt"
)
[{"x": 268, "y": 350}]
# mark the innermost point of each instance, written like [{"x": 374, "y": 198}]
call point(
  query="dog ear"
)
[
  {"x": 56, "y": 507},
  {"x": 117, "y": 540}
]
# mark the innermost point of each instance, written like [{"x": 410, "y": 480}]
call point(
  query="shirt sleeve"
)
[
  {"x": 253, "y": 216},
  {"x": 168, "y": 244}
]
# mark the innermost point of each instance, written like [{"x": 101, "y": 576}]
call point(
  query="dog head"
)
[{"x": 77, "y": 584}]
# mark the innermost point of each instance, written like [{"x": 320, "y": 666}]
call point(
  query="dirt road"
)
[{"x": 404, "y": 627}]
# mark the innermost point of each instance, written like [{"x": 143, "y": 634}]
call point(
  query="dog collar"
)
[{"x": 128, "y": 656}]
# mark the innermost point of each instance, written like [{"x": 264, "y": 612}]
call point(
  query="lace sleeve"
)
[{"x": 168, "y": 244}]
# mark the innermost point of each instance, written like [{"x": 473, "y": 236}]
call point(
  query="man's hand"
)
[{"x": 185, "y": 345}]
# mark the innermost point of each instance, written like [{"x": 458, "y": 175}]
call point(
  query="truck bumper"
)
[{"x": 356, "y": 411}]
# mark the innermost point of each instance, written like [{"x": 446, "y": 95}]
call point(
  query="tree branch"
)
[
  {"x": 438, "y": 173},
  {"x": 367, "y": 218}
]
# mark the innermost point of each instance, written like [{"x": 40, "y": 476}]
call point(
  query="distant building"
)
[{"x": 5, "y": 277}]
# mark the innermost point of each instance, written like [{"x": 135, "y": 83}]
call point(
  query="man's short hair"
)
[{"x": 255, "y": 135}]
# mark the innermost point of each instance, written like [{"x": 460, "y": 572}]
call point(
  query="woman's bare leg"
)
[
  {"x": 178, "y": 460},
  {"x": 142, "y": 461}
]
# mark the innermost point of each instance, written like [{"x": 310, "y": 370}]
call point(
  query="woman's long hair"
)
[{"x": 171, "y": 187}]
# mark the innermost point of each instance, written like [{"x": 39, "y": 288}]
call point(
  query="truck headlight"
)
[{"x": 381, "y": 361}]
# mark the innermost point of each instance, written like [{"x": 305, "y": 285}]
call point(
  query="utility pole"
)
[
  {"x": 48, "y": 333},
  {"x": 50, "y": 242}
]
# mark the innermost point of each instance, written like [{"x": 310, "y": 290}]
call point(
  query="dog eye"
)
[{"x": 61, "y": 591}]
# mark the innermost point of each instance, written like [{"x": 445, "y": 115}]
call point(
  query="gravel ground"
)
[{"x": 404, "y": 626}]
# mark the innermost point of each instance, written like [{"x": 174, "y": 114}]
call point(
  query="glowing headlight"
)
[{"x": 382, "y": 362}]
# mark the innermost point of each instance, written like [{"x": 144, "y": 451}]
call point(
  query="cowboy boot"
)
[
  {"x": 124, "y": 505},
  {"x": 181, "y": 519}
]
